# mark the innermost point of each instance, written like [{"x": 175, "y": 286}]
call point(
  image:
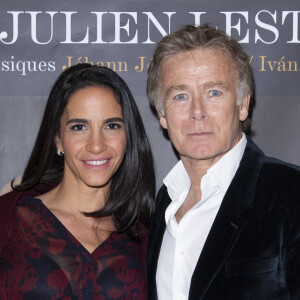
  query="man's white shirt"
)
[{"x": 183, "y": 243}]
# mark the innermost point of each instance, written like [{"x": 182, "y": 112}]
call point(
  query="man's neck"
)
[{"x": 193, "y": 197}]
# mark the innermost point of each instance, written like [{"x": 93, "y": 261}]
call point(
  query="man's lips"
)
[{"x": 200, "y": 133}]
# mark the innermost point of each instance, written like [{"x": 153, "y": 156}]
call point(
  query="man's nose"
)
[{"x": 199, "y": 108}]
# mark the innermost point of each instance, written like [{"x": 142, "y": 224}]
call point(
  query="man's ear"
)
[
  {"x": 162, "y": 119},
  {"x": 244, "y": 107}
]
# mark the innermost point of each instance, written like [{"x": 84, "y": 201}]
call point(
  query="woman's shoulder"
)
[
  {"x": 9, "y": 200},
  {"x": 8, "y": 204}
]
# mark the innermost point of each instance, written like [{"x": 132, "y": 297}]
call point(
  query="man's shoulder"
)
[
  {"x": 281, "y": 181},
  {"x": 280, "y": 169},
  {"x": 271, "y": 166}
]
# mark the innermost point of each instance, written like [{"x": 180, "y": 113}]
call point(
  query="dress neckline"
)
[{"x": 65, "y": 233}]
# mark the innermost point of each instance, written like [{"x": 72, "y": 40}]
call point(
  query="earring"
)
[{"x": 60, "y": 153}]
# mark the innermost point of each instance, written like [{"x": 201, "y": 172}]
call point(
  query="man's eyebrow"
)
[
  {"x": 211, "y": 84},
  {"x": 84, "y": 121},
  {"x": 181, "y": 87}
]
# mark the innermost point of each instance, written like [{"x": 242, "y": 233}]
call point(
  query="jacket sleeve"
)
[{"x": 293, "y": 259}]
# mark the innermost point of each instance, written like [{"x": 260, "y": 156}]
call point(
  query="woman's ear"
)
[{"x": 58, "y": 143}]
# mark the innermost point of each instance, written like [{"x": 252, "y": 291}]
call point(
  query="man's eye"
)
[
  {"x": 214, "y": 93},
  {"x": 180, "y": 97},
  {"x": 113, "y": 126},
  {"x": 78, "y": 127}
]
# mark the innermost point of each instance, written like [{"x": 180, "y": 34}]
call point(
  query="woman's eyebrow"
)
[
  {"x": 84, "y": 121},
  {"x": 115, "y": 119}
]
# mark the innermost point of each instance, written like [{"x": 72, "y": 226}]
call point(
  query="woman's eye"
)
[
  {"x": 78, "y": 127},
  {"x": 214, "y": 93},
  {"x": 113, "y": 126},
  {"x": 180, "y": 97}
]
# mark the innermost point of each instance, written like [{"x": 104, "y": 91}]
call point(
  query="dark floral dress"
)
[{"x": 43, "y": 260}]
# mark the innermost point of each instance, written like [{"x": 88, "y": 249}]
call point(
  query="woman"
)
[{"x": 75, "y": 228}]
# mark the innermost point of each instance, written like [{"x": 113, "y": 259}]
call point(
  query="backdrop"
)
[{"x": 38, "y": 39}]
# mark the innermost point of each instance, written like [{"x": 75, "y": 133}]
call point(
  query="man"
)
[{"x": 227, "y": 219}]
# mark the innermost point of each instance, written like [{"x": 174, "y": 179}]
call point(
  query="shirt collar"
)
[
  {"x": 178, "y": 182},
  {"x": 224, "y": 170}
]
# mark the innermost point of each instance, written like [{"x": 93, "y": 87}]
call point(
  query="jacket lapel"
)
[
  {"x": 157, "y": 230},
  {"x": 228, "y": 223}
]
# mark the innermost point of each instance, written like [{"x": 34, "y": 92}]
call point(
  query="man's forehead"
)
[
  {"x": 208, "y": 67},
  {"x": 198, "y": 62},
  {"x": 197, "y": 52}
]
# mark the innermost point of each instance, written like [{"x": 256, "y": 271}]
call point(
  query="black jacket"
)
[{"x": 253, "y": 248}]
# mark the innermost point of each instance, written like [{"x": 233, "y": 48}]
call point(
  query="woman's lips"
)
[{"x": 96, "y": 162}]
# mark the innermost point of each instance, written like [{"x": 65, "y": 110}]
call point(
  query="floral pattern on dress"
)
[{"x": 43, "y": 260}]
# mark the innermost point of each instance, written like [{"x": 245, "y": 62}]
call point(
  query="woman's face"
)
[{"x": 92, "y": 137}]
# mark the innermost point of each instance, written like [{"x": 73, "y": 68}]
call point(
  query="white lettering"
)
[
  {"x": 295, "y": 14},
  {"x": 229, "y": 25},
  {"x": 266, "y": 26},
  {"x": 33, "y": 15},
  {"x": 3, "y": 34},
  {"x": 197, "y": 15},
  {"x": 99, "y": 27},
  {"x": 157, "y": 25},
  {"x": 69, "y": 27},
  {"x": 118, "y": 28}
]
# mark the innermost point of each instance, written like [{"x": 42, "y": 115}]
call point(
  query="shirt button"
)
[
  {"x": 182, "y": 251},
  {"x": 181, "y": 297}
]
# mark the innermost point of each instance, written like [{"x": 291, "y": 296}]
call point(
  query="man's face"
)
[{"x": 200, "y": 104}]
